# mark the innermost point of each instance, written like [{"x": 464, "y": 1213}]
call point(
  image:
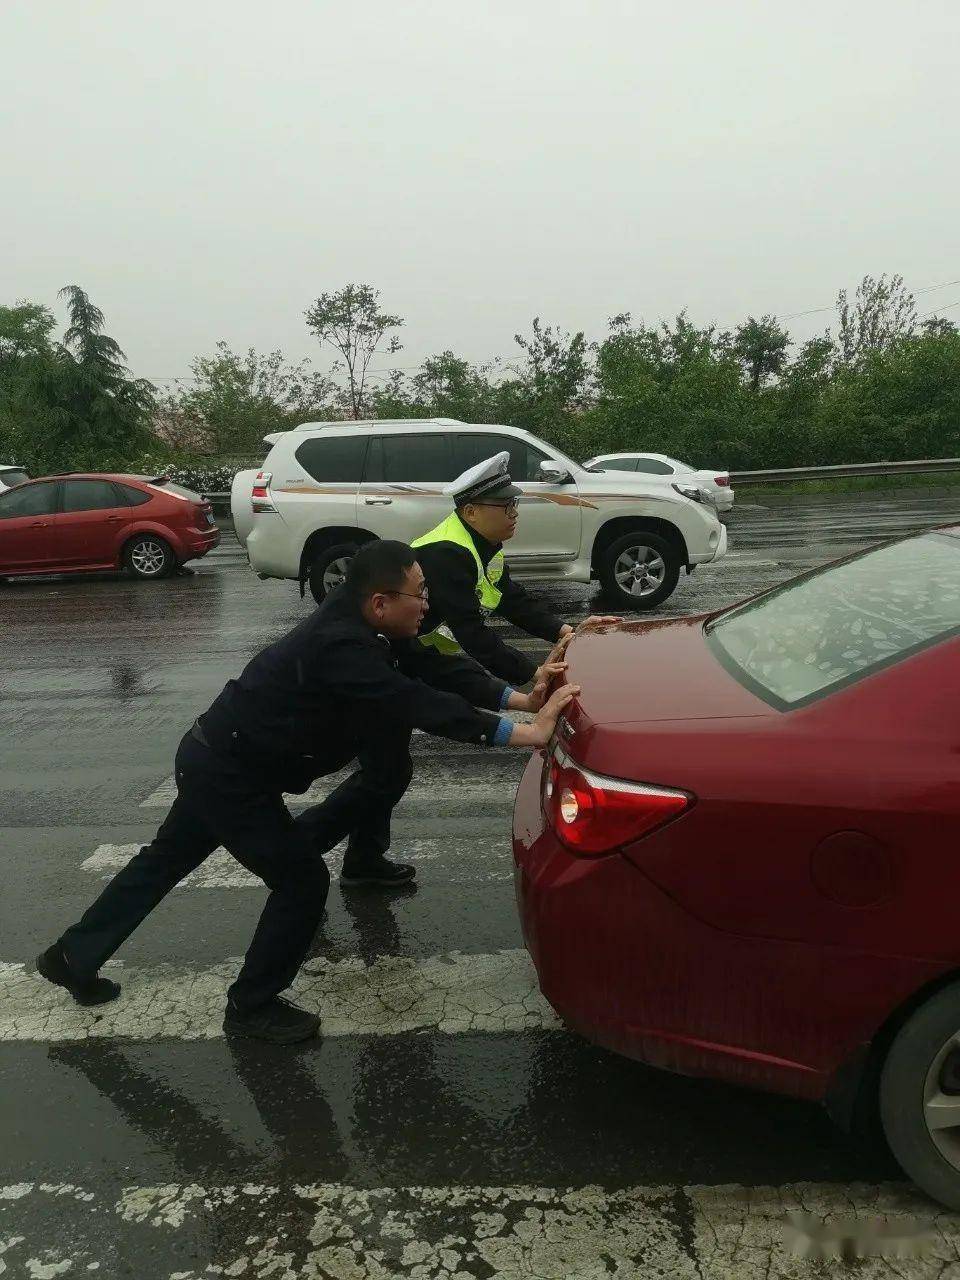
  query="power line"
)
[
  {"x": 820, "y": 310},
  {"x": 936, "y": 312}
]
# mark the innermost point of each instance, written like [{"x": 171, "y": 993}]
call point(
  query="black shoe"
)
[
  {"x": 277, "y": 1021},
  {"x": 378, "y": 871},
  {"x": 52, "y": 965}
]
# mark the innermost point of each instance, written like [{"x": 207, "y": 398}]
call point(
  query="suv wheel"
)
[
  {"x": 148, "y": 556},
  {"x": 639, "y": 570},
  {"x": 920, "y": 1096},
  {"x": 329, "y": 569}
]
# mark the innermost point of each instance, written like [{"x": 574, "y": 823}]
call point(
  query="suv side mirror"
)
[{"x": 553, "y": 472}]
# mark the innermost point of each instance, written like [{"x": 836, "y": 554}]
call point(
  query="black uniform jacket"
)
[
  {"x": 333, "y": 678},
  {"x": 451, "y": 575}
]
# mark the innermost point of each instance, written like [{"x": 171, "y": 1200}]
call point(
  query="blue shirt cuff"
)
[
  {"x": 504, "y": 729},
  {"x": 505, "y": 697}
]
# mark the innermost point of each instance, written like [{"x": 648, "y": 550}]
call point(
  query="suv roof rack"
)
[{"x": 380, "y": 422}]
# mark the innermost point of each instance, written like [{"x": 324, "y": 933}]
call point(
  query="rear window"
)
[
  {"x": 11, "y": 476},
  {"x": 165, "y": 486},
  {"x": 89, "y": 495},
  {"x": 333, "y": 459},
  {"x": 414, "y": 459},
  {"x": 135, "y": 497},
  {"x": 821, "y": 632}
]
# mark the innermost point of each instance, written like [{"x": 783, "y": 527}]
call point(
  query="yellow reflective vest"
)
[{"x": 488, "y": 595}]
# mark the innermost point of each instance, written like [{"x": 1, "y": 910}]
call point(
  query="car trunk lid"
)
[{"x": 647, "y": 671}]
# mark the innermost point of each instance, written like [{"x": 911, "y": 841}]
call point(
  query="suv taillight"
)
[
  {"x": 260, "y": 496},
  {"x": 723, "y": 481},
  {"x": 592, "y": 814}
]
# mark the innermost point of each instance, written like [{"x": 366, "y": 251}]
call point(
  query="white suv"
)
[{"x": 327, "y": 487}]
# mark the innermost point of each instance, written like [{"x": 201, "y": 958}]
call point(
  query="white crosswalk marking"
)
[
  {"x": 502, "y": 1232},
  {"x": 451, "y": 993},
  {"x": 468, "y": 862}
]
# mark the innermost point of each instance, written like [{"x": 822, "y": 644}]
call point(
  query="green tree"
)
[
  {"x": 676, "y": 388},
  {"x": 352, "y": 323},
  {"x": 882, "y": 312},
  {"x": 761, "y": 347},
  {"x": 938, "y": 327},
  {"x": 236, "y": 399},
  {"x": 454, "y": 388},
  {"x": 25, "y": 330},
  {"x": 73, "y": 404}
]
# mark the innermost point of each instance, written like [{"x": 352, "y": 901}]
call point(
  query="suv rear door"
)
[
  {"x": 548, "y": 528},
  {"x": 323, "y": 466},
  {"x": 402, "y": 491}
]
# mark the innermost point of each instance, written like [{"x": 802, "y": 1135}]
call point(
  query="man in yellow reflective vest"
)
[{"x": 467, "y": 580}]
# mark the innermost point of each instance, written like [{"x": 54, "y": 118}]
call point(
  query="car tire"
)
[
  {"x": 643, "y": 559},
  {"x": 923, "y": 1063},
  {"x": 329, "y": 568},
  {"x": 149, "y": 556}
]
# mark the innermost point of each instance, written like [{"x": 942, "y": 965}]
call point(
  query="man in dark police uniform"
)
[{"x": 350, "y": 682}]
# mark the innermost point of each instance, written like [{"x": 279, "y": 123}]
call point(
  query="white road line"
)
[
  {"x": 441, "y": 786},
  {"x": 467, "y": 862},
  {"x": 452, "y": 993},
  {"x": 412, "y": 1232}
]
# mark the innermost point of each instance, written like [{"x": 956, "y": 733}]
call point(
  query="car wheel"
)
[
  {"x": 329, "y": 569},
  {"x": 148, "y": 556},
  {"x": 920, "y": 1097},
  {"x": 639, "y": 570}
]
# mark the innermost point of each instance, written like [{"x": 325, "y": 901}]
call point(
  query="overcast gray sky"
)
[{"x": 205, "y": 170}]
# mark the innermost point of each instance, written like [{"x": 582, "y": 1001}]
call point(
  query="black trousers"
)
[{"x": 225, "y": 801}]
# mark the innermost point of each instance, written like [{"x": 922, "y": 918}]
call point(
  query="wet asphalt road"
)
[{"x": 435, "y": 1136}]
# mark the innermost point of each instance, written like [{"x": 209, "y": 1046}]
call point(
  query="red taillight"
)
[
  {"x": 722, "y": 481},
  {"x": 593, "y": 814},
  {"x": 260, "y": 495}
]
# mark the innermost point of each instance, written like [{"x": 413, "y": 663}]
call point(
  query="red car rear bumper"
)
[
  {"x": 193, "y": 545},
  {"x": 626, "y": 966}
]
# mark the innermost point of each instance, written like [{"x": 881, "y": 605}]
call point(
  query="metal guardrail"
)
[
  {"x": 783, "y": 474},
  {"x": 780, "y": 475}
]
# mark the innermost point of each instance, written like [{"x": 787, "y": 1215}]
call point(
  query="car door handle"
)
[
  {"x": 113, "y": 519},
  {"x": 378, "y": 502},
  {"x": 40, "y": 524}
]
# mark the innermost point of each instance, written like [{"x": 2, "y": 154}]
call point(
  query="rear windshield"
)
[
  {"x": 11, "y": 476},
  {"x": 823, "y": 631},
  {"x": 169, "y": 486}
]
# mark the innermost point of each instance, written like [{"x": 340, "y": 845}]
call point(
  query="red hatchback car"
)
[
  {"x": 77, "y": 523},
  {"x": 741, "y": 856}
]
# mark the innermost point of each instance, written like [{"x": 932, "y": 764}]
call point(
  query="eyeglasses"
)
[
  {"x": 512, "y": 505},
  {"x": 414, "y": 595}
]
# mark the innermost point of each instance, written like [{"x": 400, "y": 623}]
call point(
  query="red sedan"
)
[
  {"x": 740, "y": 857},
  {"x": 77, "y": 523}
]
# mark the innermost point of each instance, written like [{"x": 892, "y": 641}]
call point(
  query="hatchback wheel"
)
[
  {"x": 920, "y": 1097},
  {"x": 329, "y": 569},
  {"x": 639, "y": 570},
  {"x": 148, "y": 556}
]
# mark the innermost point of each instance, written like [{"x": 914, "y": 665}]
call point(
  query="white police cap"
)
[{"x": 488, "y": 481}]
